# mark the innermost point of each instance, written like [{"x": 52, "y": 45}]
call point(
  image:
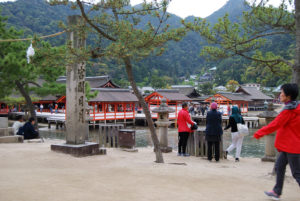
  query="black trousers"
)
[
  {"x": 216, "y": 145},
  {"x": 182, "y": 142},
  {"x": 286, "y": 158}
]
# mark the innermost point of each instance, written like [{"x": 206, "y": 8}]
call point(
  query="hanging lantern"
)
[{"x": 29, "y": 53}]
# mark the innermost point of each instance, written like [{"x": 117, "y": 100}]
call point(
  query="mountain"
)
[
  {"x": 234, "y": 8},
  {"x": 180, "y": 59}
]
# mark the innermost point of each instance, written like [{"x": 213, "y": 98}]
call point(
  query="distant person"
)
[
  {"x": 192, "y": 110},
  {"x": 28, "y": 130},
  {"x": 287, "y": 142},
  {"x": 183, "y": 130},
  {"x": 51, "y": 108},
  {"x": 202, "y": 109},
  {"x": 237, "y": 139},
  {"x": 56, "y": 108},
  {"x": 18, "y": 124},
  {"x": 41, "y": 107},
  {"x": 213, "y": 131},
  {"x": 228, "y": 110},
  {"x": 14, "y": 109}
]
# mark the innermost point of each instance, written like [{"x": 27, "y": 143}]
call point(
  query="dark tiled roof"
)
[
  {"x": 173, "y": 95},
  {"x": 187, "y": 90},
  {"x": 114, "y": 95},
  {"x": 203, "y": 98},
  {"x": 49, "y": 98},
  {"x": 236, "y": 96},
  {"x": 95, "y": 82},
  {"x": 253, "y": 93}
]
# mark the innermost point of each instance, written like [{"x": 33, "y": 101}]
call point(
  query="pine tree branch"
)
[
  {"x": 31, "y": 82},
  {"x": 79, "y": 3}
]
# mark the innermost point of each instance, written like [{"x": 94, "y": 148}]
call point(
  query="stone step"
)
[
  {"x": 11, "y": 139},
  {"x": 6, "y": 132}
]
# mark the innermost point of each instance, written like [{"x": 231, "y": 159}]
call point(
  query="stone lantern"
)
[
  {"x": 270, "y": 150},
  {"x": 162, "y": 123}
]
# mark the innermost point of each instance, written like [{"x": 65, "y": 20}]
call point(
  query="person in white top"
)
[
  {"x": 41, "y": 107},
  {"x": 18, "y": 124}
]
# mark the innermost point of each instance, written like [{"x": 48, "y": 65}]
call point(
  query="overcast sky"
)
[{"x": 184, "y": 8}]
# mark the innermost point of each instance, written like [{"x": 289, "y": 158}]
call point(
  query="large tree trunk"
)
[
  {"x": 28, "y": 102},
  {"x": 296, "y": 67},
  {"x": 158, "y": 153}
]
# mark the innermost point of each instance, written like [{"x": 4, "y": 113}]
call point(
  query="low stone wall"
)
[
  {"x": 6, "y": 132},
  {"x": 11, "y": 139}
]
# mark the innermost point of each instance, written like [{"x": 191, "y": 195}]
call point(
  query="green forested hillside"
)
[{"x": 180, "y": 59}]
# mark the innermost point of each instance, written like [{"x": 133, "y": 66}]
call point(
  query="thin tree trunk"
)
[
  {"x": 28, "y": 102},
  {"x": 158, "y": 153},
  {"x": 296, "y": 67}
]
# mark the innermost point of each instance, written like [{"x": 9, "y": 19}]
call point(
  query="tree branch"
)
[
  {"x": 79, "y": 3},
  {"x": 31, "y": 82}
]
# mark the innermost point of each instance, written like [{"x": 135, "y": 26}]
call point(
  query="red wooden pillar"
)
[
  {"x": 133, "y": 110},
  {"x": 124, "y": 108},
  {"x": 115, "y": 105},
  {"x": 94, "y": 111},
  {"x": 104, "y": 109}
]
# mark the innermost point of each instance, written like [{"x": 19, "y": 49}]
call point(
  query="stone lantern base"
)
[
  {"x": 268, "y": 159},
  {"x": 165, "y": 149},
  {"x": 270, "y": 150},
  {"x": 79, "y": 150}
]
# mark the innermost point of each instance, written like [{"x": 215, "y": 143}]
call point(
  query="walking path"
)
[{"x": 31, "y": 172}]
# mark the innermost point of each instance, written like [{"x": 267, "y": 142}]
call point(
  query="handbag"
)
[
  {"x": 194, "y": 126},
  {"x": 242, "y": 129}
]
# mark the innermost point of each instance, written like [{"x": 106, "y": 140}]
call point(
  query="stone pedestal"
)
[
  {"x": 78, "y": 150},
  {"x": 270, "y": 150}
]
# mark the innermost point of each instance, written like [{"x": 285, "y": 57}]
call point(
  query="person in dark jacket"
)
[
  {"x": 237, "y": 139},
  {"x": 28, "y": 130},
  {"x": 287, "y": 142},
  {"x": 213, "y": 131}
]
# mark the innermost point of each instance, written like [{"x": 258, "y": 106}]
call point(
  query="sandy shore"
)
[{"x": 32, "y": 172}]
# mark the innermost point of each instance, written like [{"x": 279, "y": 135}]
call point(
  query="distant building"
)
[
  {"x": 213, "y": 68},
  {"x": 173, "y": 97},
  {"x": 257, "y": 97},
  {"x": 220, "y": 88},
  {"x": 187, "y": 90},
  {"x": 257, "y": 86},
  {"x": 147, "y": 90},
  {"x": 228, "y": 99},
  {"x": 246, "y": 98},
  {"x": 206, "y": 77},
  {"x": 193, "y": 77}
]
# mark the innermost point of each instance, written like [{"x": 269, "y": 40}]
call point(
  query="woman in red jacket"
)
[
  {"x": 183, "y": 130},
  {"x": 287, "y": 142}
]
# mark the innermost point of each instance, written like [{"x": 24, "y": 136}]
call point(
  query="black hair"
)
[
  {"x": 291, "y": 90},
  {"x": 31, "y": 119},
  {"x": 184, "y": 104}
]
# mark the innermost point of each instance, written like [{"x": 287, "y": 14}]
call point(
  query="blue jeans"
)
[{"x": 286, "y": 158}]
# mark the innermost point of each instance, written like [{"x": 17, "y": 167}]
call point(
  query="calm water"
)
[{"x": 251, "y": 147}]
